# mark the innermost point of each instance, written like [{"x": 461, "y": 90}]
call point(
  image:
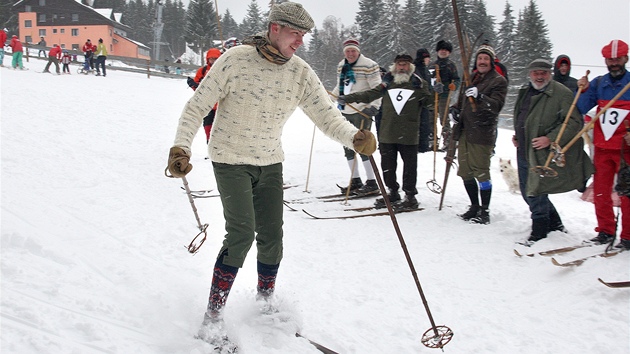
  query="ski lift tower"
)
[{"x": 158, "y": 26}]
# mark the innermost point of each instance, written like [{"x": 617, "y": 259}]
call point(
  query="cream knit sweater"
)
[{"x": 256, "y": 98}]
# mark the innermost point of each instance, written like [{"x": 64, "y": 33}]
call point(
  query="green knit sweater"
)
[{"x": 256, "y": 98}]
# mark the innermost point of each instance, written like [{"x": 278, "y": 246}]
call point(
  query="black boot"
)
[
  {"x": 394, "y": 197},
  {"x": 370, "y": 187},
  {"x": 603, "y": 238},
  {"x": 555, "y": 223},
  {"x": 483, "y": 216},
  {"x": 355, "y": 184},
  {"x": 409, "y": 203},
  {"x": 471, "y": 213},
  {"x": 540, "y": 228}
]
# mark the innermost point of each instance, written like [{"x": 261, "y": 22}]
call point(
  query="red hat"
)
[
  {"x": 615, "y": 49},
  {"x": 213, "y": 53},
  {"x": 351, "y": 43}
]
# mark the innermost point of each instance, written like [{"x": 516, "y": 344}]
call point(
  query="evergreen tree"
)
[
  {"x": 8, "y": 16},
  {"x": 505, "y": 37},
  {"x": 201, "y": 26},
  {"x": 412, "y": 33},
  {"x": 253, "y": 22},
  {"x": 327, "y": 51},
  {"x": 116, "y": 5},
  {"x": 174, "y": 18},
  {"x": 367, "y": 19},
  {"x": 531, "y": 42},
  {"x": 390, "y": 41},
  {"x": 229, "y": 26}
]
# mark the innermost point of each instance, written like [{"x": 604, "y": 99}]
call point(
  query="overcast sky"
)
[{"x": 577, "y": 28}]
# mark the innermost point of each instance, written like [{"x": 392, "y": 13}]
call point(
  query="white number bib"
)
[
  {"x": 610, "y": 120},
  {"x": 399, "y": 98}
]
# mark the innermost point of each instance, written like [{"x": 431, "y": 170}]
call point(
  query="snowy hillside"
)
[{"x": 93, "y": 244}]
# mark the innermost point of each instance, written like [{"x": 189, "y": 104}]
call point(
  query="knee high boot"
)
[
  {"x": 222, "y": 281},
  {"x": 266, "y": 280}
]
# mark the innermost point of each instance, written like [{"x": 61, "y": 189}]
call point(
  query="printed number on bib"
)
[
  {"x": 399, "y": 98},
  {"x": 610, "y": 121}
]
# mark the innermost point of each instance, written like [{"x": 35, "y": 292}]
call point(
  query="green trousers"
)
[{"x": 252, "y": 198}]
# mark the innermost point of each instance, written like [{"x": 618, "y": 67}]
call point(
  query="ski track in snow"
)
[{"x": 93, "y": 244}]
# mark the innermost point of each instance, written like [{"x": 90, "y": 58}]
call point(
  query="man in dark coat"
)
[
  {"x": 404, "y": 95},
  {"x": 477, "y": 131},
  {"x": 539, "y": 114},
  {"x": 562, "y": 72},
  {"x": 448, "y": 78},
  {"x": 425, "y": 134}
]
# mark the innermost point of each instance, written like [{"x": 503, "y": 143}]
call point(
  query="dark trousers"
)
[
  {"x": 425, "y": 131},
  {"x": 389, "y": 163},
  {"x": 52, "y": 60},
  {"x": 100, "y": 60},
  {"x": 540, "y": 206}
]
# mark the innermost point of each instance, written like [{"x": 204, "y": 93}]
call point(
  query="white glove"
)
[{"x": 472, "y": 92}]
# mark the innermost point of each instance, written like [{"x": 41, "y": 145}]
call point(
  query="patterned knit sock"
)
[
  {"x": 266, "y": 279},
  {"x": 222, "y": 281}
]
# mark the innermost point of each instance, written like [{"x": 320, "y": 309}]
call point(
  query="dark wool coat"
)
[
  {"x": 448, "y": 74},
  {"x": 397, "y": 128},
  {"x": 480, "y": 126},
  {"x": 547, "y": 112}
]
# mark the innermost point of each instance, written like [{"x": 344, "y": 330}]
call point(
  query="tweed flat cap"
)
[
  {"x": 293, "y": 15},
  {"x": 540, "y": 64}
]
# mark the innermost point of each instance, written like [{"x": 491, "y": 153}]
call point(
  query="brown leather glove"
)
[
  {"x": 451, "y": 86},
  {"x": 364, "y": 142},
  {"x": 178, "y": 163}
]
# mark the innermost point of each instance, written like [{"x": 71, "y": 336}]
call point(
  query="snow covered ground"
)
[{"x": 94, "y": 259}]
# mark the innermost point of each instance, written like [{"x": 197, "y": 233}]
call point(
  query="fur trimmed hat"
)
[
  {"x": 615, "y": 49},
  {"x": 291, "y": 14},
  {"x": 442, "y": 44},
  {"x": 351, "y": 43}
]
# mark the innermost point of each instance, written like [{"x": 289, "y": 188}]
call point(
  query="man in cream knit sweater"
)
[{"x": 258, "y": 86}]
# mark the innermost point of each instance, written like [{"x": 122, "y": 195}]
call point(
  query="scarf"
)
[
  {"x": 346, "y": 76},
  {"x": 265, "y": 49}
]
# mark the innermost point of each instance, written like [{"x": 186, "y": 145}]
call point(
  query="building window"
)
[
  {"x": 54, "y": 30},
  {"x": 75, "y": 17},
  {"x": 41, "y": 18},
  {"x": 75, "y": 47},
  {"x": 27, "y": 8},
  {"x": 28, "y": 23},
  {"x": 42, "y": 2},
  {"x": 42, "y": 33},
  {"x": 63, "y": 30},
  {"x": 75, "y": 32},
  {"x": 29, "y": 39}
]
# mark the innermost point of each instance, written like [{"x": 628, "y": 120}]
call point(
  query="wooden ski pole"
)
[
  {"x": 464, "y": 55},
  {"x": 432, "y": 184},
  {"x": 545, "y": 171},
  {"x": 310, "y": 159},
  {"x": 354, "y": 164},
  {"x": 441, "y": 334}
]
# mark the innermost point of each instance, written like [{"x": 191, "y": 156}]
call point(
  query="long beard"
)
[{"x": 400, "y": 78}]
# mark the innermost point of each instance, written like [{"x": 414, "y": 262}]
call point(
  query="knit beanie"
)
[
  {"x": 213, "y": 53},
  {"x": 540, "y": 64},
  {"x": 291, "y": 14},
  {"x": 442, "y": 44},
  {"x": 351, "y": 43},
  {"x": 615, "y": 49},
  {"x": 486, "y": 49},
  {"x": 422, "y": 53}
]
